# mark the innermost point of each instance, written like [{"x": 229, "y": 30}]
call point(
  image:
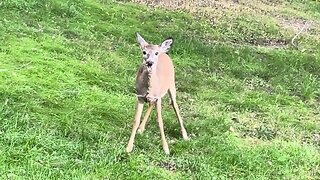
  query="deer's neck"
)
[
  {"x": 146, "y": 81},
  {"x": 151, "y": 77}
]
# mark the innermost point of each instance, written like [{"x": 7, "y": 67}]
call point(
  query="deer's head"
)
[{"x": 151, "y": 52}]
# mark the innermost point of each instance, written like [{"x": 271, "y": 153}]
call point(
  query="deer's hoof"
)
[
  {"x": 140, "y": 131},
  {"x": 129, "y": 149}
]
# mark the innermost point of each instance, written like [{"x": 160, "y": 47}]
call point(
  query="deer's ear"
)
[
  {"x": 166, "y": 45},
  {"x": 141, "y": 41}
]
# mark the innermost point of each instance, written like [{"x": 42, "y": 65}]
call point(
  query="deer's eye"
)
[
  {"x": 144, "y": 52},
  {"x": 156, "y": 53}
]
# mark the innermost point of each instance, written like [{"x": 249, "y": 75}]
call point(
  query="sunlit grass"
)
[{"x": 67, "y": 71}]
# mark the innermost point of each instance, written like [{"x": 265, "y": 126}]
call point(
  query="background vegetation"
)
[{"x": 249, "y": 98}]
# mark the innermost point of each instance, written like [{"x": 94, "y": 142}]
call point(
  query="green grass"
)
[{"x": 67, "y": 100}]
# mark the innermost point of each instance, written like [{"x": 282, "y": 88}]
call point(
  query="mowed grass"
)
[{"x": 67, "y": 71}]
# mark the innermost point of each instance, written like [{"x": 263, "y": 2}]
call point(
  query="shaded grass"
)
[{"x": 67, "y": 71}]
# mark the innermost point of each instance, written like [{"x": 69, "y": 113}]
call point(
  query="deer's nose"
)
[{"x": 149, "y": 63}]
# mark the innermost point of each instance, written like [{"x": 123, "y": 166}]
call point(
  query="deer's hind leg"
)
[{"x": 172, "y": 93}]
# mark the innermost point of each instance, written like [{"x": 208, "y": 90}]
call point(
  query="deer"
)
[{"x": 154, "y": 79}]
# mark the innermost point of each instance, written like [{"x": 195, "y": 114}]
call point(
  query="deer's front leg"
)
[
  {"x": 145, "y": 119},
  {"x": 160, "y": 122},
  {"x": 139, "y": 108}
]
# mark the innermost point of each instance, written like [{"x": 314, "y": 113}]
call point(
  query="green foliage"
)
[{"x": 67, "y": 72}]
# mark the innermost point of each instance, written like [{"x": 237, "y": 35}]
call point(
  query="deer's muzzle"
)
[{"x": 149, "y": 63}]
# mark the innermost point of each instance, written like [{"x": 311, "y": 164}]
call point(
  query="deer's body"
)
[
  {"x": 155, "y": 83},
  {"x": 155, "y": 77}
]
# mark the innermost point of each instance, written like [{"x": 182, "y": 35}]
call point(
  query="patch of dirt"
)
[
  {"x": 170, "y": 166},
  {"x": 187, "y": 4},
  {"x": 294, "y": 24},
  {"x": 250, "y": 125},
  {"x": 271, "y": 2},
  {"x": 269, "y": 43},
  {"x": 258, "y": 84},
  {"x": 218, "y": 12},
  {"x": 307, "y": 27},
  {"x": 313, "y": 139},
  {"x": 263, "y": 132},
  {"x": 275, "y": 43}
]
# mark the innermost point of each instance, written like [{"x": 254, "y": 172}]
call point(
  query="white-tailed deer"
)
[{"x": 155, "y": 77}]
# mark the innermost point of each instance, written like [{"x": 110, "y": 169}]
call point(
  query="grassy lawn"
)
[{"x": 249, "y": 98}]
